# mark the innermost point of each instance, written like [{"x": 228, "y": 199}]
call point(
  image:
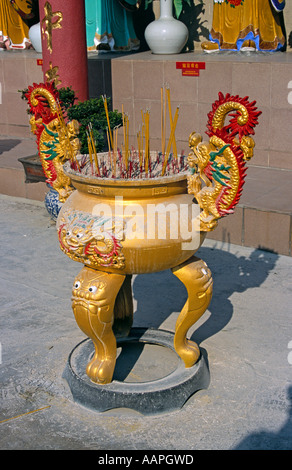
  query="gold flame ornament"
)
[{"x": 48, "y": 25}]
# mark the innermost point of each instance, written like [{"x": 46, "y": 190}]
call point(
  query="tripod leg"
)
[
  {"x": 196, "y": 277},
  {"x": 94, "y": 294}
]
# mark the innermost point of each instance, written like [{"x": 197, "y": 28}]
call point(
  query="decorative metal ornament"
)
[
  {"x": 99, "y": 210},
  {"x": 56, "y": 140},
  {"x": 48, "y": 23},
  {"x": 219, "y": 165}
]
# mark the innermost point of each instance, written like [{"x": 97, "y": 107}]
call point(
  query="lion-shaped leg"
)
[
  {"x": 196, "y": 277},
  {"x": 94, "y": 294}
]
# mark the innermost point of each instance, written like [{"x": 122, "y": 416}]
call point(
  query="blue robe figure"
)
[{"x": 109, "y": 25}]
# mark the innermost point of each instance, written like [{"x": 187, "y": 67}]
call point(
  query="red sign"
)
[
  {"x": 191, "y": 69},
  {"x": 39, "y": 61}
]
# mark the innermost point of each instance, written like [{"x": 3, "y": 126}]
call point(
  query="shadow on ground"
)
[
  {"x": 230, "y": 273},
  {"x": 264, "y": 440},
  {"x": 8, "y": 144}
]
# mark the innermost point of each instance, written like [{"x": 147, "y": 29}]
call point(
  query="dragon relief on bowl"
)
[{"x": 91, "y": 239}]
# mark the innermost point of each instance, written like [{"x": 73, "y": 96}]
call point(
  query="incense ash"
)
[{"x": 110, "y": 166}]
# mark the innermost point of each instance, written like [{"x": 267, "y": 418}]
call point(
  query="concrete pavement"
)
[{"x": 246, "y": 337}]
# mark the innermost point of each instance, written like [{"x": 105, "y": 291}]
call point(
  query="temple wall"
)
[
  {"x": 272, "y": 78},
  {"x": 267, "y": 79},
  {"x": 135, "y": 80}
]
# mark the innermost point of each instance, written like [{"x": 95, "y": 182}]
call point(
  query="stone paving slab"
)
[{"x": 245, "y": 336}]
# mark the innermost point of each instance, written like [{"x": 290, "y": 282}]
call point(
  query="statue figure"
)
[
  {"x": 109, "y": 25},
  {"x": 13, "y": 27},
  {"x": 247, "y": 25}
]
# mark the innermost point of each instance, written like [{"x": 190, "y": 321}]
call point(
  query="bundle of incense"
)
[
  {"x": 130, "y": 163},
  {"x": 156, "y": 163}
]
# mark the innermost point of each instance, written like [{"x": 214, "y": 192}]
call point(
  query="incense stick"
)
[
  {"x": 107, "y": 117},
  {"x": 90, "y": 150},
  {"x": 171, "y": 122},
  {"x": 162, "y": 121},
  {"x": 93, "y": 148},
  {"x": 173, "y": 126},
  {"x": 131, "y": 163}
]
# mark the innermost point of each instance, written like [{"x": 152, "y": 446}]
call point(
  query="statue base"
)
[{"x": 149, "y": 377}]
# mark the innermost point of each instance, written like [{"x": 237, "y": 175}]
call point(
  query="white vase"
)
[
  {"x": 166, "y": 35},
  {"x": 35, "y": 37}
]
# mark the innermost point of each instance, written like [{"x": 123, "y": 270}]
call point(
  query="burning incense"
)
[
  {"x": 173, "y": 126},
  {"x": 162, "y": 121},
  {"x": 171, "y": 123},
  {"x": 107, "y": 118},
  {"x": 135, "y": 171},
  {"x": 129, "y": 162},
  {"x": 147, "y": 150},
  {"x": 125, "y": 119},
  {"x": 109, "y": 147},
  {"x": 89, "y": 149},
  {"x": 127, "y": 141},
  {"x": 114, "y": 169},
  {"x": 93, "y": 148},
  {"x": 140, "y": 151}
]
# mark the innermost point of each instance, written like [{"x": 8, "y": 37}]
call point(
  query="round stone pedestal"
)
[{"x": 149, "y": 376}]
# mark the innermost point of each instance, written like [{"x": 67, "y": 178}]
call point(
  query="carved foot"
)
[
  {"x": 210, "y": 46},
  {"x": 196, "y": 277},
  {"x": 94, "y": 294}
]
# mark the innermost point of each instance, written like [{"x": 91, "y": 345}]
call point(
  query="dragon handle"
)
[
  {"x": 42, "y": 92},
  {"x": 218, "y": 167},
  {"x": 57, "y": 140}
]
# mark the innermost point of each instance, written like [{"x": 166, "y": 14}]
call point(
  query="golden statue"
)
[{"x": 13, "y": 28}]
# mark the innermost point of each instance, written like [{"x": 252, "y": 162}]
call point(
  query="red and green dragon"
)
[
  {"x": 218, "y": 167},
  {"x": 57, "y": 140}
]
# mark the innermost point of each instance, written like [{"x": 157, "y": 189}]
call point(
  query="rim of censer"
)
[{"x": 130, "y": 187}]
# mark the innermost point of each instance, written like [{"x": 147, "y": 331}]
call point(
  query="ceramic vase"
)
[
  {"x": 52, "y": 203},
  {"x": 166, "y": 35},
  {"x": 35, "y": 37}
]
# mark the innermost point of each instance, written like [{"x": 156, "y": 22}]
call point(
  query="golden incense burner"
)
[
  {"x": 113, "y": 253},
  {"x": 126, "y": 221}
]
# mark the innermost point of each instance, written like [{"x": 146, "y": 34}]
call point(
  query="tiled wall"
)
[
  {"x": 18, "y": 69},
  {"x": 263, "y": 217},
  {"x": 137, "y": 81}
]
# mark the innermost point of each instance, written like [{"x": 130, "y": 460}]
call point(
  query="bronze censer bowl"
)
[
  {"x": 118, "y": 227},
  {"x": 111, "y": 254}
]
